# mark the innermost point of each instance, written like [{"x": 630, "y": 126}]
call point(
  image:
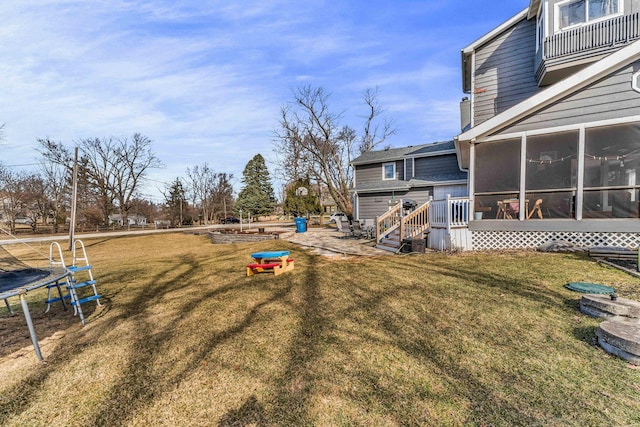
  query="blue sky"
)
[{"x": 205, "y": 80}]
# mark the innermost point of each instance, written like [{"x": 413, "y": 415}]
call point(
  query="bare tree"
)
[
  {"x": 130, "y": 162},
  {"x": 312, "y": 143},
  {"x": 201, "y": 180},
  {"x": 374, "y": 134},
  {"x": 12, "y": 189},
  {"x": 111, "y": 170},
  {"x": 56, "y": 167},
  {"x": 115, "y": 170}
]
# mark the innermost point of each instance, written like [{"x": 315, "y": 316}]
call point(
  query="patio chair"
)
[
  {"x": 345, "y": 228},
  {"x": 356, "y": 229},
  {"x": 536, "y": 208}
]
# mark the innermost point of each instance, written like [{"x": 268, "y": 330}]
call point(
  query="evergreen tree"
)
[
  {"x": 176, "y": 203},
  {"x": 299, "y": 205},
  {"x": 257, "y": 196}
]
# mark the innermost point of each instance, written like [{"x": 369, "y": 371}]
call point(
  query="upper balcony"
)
[{"x": 564, "y": 53}]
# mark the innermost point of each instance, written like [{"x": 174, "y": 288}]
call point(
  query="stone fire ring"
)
[{"x": 621, "y": 337}]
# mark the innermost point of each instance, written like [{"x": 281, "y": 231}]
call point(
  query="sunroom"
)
[{"x": 591, "y": 171}]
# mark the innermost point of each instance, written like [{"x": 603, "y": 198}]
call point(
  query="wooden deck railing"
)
[
  {"x": 388, "y": 222},
  {"x": 416, "y": 222},
  {"x": 610, "y": 32}
]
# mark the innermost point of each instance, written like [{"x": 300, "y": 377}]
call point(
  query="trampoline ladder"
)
[
  {"x": 56, "y": 260},
  {"x": 84, "y": 271}
]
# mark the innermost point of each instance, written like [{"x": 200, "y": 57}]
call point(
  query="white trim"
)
[
  {"x": 499, "y": 29},
  {"x": 566, "y": 128},
  {"x": 533, "y": 8},
  {"x": 471, "y": 176},
  {"x": 580, "y": 172},
  {"x": 384, "y": 176},
  {"x": 556, "y": 92},
  {"x": 413, "y": 167},
  {"x": 523, "y": 176},
  {"x": 635, "y": 81},
  {"x": 473, "y": 91},
  {"x": 431, "y": 154},
  {"x": 556, "y": 23}
]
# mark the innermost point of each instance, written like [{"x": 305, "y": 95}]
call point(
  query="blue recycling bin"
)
[{"x": 301, "y": 225}]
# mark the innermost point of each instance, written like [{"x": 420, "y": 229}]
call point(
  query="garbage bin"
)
[
  {"x": 301, "y": 225},
  {"x": 418, "y": 245}
]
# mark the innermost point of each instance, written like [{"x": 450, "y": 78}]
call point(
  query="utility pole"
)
[{"x": 74, "y": 201}]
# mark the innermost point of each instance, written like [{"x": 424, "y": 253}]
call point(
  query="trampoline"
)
[{"x": 19, "y": 282}]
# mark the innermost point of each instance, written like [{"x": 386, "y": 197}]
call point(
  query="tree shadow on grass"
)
[
  {"x": 136, "y": 380},
  {"x": 289, "y": 404}
]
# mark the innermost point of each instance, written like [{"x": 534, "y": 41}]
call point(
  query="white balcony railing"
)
[{"x": 603, "y": 34}]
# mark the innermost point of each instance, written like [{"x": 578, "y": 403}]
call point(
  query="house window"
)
[
  {"x": 388, "y": 171},
  {"x": 635, "y": 81},
  {"x": 540, "y": 30},
  {"x": 577, "y": 12}
]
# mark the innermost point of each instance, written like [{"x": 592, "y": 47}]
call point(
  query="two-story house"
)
[
  {"x": 397, "y": 189},
  {"x": 419, "y": 173},
  {"x": 552, "y": 141}
]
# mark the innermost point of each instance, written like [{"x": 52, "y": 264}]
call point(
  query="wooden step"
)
[{"x": 387, "y": 248}]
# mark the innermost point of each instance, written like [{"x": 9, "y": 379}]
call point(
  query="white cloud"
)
[{"x": 205, "y": 79}]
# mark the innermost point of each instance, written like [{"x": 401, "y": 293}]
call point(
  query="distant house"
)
[
  {"x": 419, "y": 173},
  {"x": 552, "y": 133},
  {"x": 134, "y": 219}
]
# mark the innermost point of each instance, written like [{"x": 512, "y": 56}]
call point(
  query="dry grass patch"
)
[{"x": 185, "y": 338}]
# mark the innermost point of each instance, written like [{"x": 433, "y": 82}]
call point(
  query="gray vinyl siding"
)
[
  {"x": 429, "y": 166},
  {"x": 441, "y": 192},
  {"x": 368, "y": 173},
  {"x": 610, "y": 98},
  {"x": 409, "y": 169},
  {"x": 420, "y": 195},
  {"x": 372, "y": 205},
  {"x": 504, "y": 73},
  {"x": 373, "y": 172}
]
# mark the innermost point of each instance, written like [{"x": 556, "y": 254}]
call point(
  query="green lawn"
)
[{"x": 185, "y": 338}]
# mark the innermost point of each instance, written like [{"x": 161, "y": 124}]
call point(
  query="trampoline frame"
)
[{"x": 55, "y": 275}]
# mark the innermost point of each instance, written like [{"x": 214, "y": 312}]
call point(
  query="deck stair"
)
[{"x": 393, "y": 228}]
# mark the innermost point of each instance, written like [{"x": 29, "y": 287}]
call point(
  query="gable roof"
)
[
  {"x": 468, "y": 51},
  {"x": 554, "y": 93},
  {"x": 393, "y": 154},
  {"x": 399, "y": 185}
]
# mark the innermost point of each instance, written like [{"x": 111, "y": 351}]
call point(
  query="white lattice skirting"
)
[{"x": 484, "y": 240}]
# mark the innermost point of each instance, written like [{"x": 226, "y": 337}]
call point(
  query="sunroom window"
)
[
  {"x": 612, "y": 172},
  {"x": 576, "y": 12},
  {"x": 497, "y": 179}
]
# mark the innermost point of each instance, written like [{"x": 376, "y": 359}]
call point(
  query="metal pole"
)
[
  {"x": 32, "y": 331},
  {"x": 74, "y": 198}
]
